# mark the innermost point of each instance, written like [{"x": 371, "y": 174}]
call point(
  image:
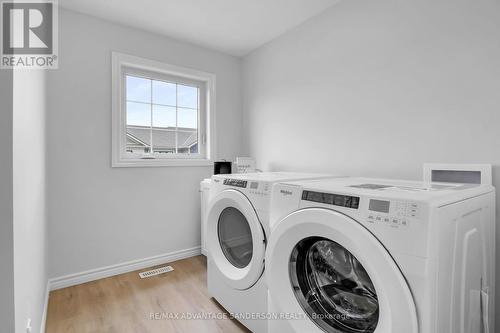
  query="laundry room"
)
[{"x": 249, "y": 166}]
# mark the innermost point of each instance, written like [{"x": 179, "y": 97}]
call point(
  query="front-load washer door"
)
[
  {"x": 235, "y": 239},
  {"x": 326, "y": 267}
]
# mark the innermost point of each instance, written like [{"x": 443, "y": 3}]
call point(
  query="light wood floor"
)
[{"x": 126, "y": 303}]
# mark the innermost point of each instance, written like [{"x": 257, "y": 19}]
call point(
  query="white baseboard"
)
[
  {"x": 45, "y": 307},
  {"x": 104, "y": 272}
]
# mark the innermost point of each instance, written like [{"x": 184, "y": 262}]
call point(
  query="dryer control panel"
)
[
  {"x": 393, "y": 213},
  {"x": 249, "y": 187},
  {"x": 235, "y": 182}
]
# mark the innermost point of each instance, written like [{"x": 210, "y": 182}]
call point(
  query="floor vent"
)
[{"x": 157, "y": 271}]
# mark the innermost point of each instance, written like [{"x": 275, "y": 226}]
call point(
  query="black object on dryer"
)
[{"x": 222, "y": 167}]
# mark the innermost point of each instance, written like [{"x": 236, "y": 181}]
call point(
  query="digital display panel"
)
[
  {"x": 380, "y": 206},
  {"x": 331, "y": 199},
  {"x": 235, "y": 182}
]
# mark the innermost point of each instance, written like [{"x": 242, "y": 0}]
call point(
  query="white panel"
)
[
  {"x": 30, "y": 215},
  {"x": 469, "y": 273},
  {"x": 457, "y": 173}
]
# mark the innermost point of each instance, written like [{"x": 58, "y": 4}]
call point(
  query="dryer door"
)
[
  {"x": 326, "y": 267},
  {"x": 235, "y": 239}
]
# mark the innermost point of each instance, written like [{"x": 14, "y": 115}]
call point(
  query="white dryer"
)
[
  {"x": 381, "y": 256},
  {"x": 236, "y": 235}
]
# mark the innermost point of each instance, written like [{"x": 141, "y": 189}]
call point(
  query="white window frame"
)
[{"x": 123, "y": 64}]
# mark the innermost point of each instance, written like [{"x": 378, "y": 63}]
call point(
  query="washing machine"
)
[
  {"x": 381, "y": 256},
  {"x": 204, "y": 200},
  {"x": 237, "y": 228}
]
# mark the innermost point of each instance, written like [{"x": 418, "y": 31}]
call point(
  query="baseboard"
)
[
  {"x": 45, "y": 307},
  {"x": 104, "y": 272}
]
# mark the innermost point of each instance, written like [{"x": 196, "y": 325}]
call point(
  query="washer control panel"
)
[
  {"x": 392, "y": 213},
  {"x": 261, "y": 189}
]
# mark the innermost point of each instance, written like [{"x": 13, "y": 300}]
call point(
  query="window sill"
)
[{"x": 161, "y": 162}]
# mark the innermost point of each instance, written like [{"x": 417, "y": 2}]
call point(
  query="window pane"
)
[
  {"x": 194, "y": 149},
  {"x": 187, "y": 141},
  {"x": 138, "y": 139},
  {"x": 138, "y": 128},
  {"x": 163, "y": 116},
  {"x": 164, "y": 140},
  {"x": 163, "y": 93},
  {"x": 138, "y": 114},
  {"x": 187, "y": 118},
  {"x": 138, "y": 89},
  {"x": 187, "y": 96}
]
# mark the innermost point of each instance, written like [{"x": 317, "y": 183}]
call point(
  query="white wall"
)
[
  {"x": 377, "y": 88},
  {"x": 23, "y": 259},
  {"x": 30, "y": 222},
  {"x": 6, "y": 204},
  {"x": 98, "y": 215}
]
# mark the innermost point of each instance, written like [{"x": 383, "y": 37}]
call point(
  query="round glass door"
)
[
  {"x": 332, "y": 287},
  {"x": 235, "y": 237}
]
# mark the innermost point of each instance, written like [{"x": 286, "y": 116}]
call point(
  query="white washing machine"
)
[
  {"x": 204, "y": 200},
  {"x": 381, "y": 256},
  {"x": 236, "y": 235}
]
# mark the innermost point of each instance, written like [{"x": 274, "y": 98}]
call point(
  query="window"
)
[{"x": 162, "y": 114}]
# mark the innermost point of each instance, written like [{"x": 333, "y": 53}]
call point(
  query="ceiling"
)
[{"x": 236, "y": 27}]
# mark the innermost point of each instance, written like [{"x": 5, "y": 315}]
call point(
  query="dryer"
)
[
  {"x": 381, "y": 256},
  {"x": 237, "y": 228}
]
